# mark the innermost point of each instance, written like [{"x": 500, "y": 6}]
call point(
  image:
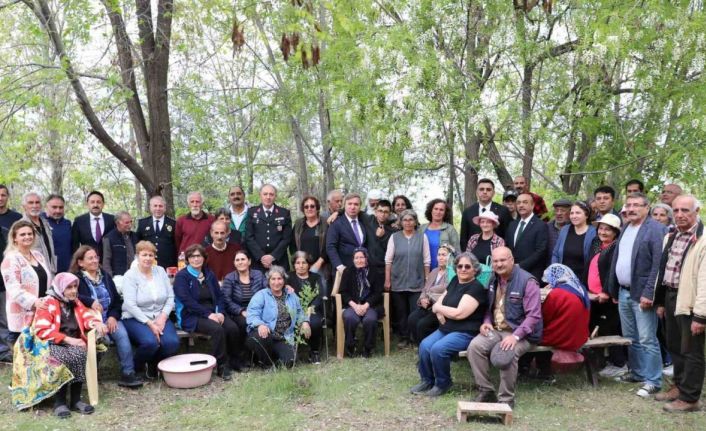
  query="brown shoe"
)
[
  {"x": 679, "y": 406},
  {"x": 671, "y": 395}
]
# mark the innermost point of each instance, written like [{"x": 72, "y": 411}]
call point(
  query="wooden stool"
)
[{"x": 468, "y": 408}]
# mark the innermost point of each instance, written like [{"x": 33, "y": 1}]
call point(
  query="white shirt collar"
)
[{"x": 526, "y": 220}]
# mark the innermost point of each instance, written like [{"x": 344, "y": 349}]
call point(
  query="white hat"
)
[
  {"x": 375, "y": 194},
  {"x": 611, "y": 220}
]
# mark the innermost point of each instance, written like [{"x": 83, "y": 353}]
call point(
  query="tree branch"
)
[{"x": 40, "y": 8}]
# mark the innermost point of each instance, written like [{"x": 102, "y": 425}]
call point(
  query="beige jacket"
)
[{"x": 691, "y": 295}]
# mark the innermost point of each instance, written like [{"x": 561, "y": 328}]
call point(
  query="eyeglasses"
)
[
  {"x": 195, "y": 255},
  {"x": 309, "y": 207},
  {"x": 635, "y": 205},
  {"x": 464, "y": 266}
]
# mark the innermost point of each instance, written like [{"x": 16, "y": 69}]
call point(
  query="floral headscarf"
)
[{"x": 562, "y": 277}]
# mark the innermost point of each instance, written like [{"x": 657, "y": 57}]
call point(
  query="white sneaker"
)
[
  {"x": 668, "y": 371},
  {"x": 647, "y": 390},
  {"x": 611, "y": 371}
]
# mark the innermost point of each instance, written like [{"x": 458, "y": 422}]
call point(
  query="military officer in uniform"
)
[
  {"x": 159, "y": 229},
  {"x": 268, "y": 232}
]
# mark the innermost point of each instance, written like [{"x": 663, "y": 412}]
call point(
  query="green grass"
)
[{"x": 351, "y": 394}]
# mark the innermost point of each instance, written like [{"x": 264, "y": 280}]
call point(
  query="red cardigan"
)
[
  {"x": 48, "y": 321},
  {"x": 565, "y": 321}
]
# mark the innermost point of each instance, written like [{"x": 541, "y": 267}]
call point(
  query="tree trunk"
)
[{"x": 154, "y": 171}]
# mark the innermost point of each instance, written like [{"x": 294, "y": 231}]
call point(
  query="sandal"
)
[
  {"x": 62, "y": 412},
  {"x": 83, "y": 408}
]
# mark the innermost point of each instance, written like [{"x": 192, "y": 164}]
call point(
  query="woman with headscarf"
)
[
  {"x": 64, "y": 324},
  {"x": 565, "y": 313},
  {"x": 361, "y": 294},
  {"x": 422, "y": 321}
]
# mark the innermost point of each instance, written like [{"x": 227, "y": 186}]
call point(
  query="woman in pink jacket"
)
[{"x": 27, "y": 277}]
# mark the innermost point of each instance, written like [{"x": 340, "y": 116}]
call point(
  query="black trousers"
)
[
  {"x": 224, "y": 338},
  {"x": 686, "y": 349},
  {"x": 269, "y": 350},
  {"x": 314, "y": 342},
  {"x": 402, "y": 304},
  {"x": 606, "y": 317},
  {"x": 421, "y": 323}
]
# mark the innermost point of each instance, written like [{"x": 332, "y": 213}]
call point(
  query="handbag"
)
[{"x": 485, "y": 275}]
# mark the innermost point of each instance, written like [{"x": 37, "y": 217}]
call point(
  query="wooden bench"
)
[
  {"x": 191, "y": 337},
  {"x": 588, "y": 350},
  {"x": 466, "y": 408}
]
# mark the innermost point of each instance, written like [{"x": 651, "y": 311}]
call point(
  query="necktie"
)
[
  {"x": 156, "y": 226},
  {"x": 522, "y": 229},
  {"x": 482, "y": 210},
  {"x": 99, "y": 234},
  {"x": 354, "y": 222},
  {"x": 268, "y": 213}
]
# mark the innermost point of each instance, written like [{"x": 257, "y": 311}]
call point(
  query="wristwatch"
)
[{"x": 516, "y": 337}]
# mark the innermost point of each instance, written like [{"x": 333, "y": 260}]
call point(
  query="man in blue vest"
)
[
  {"x": 512, "y": 326},
  {"x": 119, "y": 245}
]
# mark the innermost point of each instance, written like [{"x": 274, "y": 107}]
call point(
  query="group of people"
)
[{"x": 227, "y": 275}]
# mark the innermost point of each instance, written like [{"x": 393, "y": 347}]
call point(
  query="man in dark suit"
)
[
  {"x": 484, "y": 192},
  {"x": 89, "y": 228},
  {"x": 269, "y": 231},
  {"x": 346, "y": 234},
  {"x": 159, "y": 230},
  {"x": 527, "y": 237}
]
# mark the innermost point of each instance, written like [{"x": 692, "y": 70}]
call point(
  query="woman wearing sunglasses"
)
[{"x": 460, "y": 312}]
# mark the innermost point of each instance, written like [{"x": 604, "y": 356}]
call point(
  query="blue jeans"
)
[
  {"x": 435, "y": 353},
  {"x": 121, "y": 339},
  {"x": 640, "y": 326},
  {"x": 147, "y": 349}
]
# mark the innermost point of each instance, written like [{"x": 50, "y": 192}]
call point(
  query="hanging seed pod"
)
[
  {"x": 547, "y": 6},
  {"x": 237, "y": 35},
  {"x": 294, "y": 38},
  {"x": 305, "y": 61},
  {"x": 315, "y": 54},
  {"x": 284, "y": 46}
]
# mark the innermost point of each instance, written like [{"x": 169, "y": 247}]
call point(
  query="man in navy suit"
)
[
  {"x": 484, "y": 192},
  {"x": 159, "y": 230},
  {"x": 89, "y": 228},
  {"x": 346, "y": 234},
  {"x": 268, "y": 232},
  {"x": 527, "y": 237}
]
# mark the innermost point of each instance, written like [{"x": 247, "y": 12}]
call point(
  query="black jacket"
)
[
  {"x": 82, "y": 231},
  {"x": 530, "y": 251},
  {"x": 163, "y": 240}
]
